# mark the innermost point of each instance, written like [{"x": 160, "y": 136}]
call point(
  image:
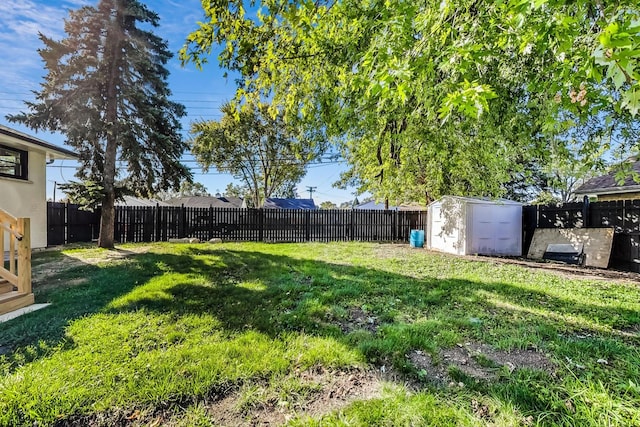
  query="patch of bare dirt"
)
[
  {"x": 395, "y": 250},
  {"x": 479, "y": 361},
  {"x": 358, "y": 319},
  {"x": 628, "y": 332},
  {"x": 334, "y": 390},
  {"x": 41, "y": 273},
  {"x": 566, "y": 270}
]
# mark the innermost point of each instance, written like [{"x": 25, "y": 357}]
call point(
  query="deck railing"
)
[{"x": 15, "y": 268}]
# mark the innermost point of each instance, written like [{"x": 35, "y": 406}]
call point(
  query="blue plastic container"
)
[{"x": 416, "y": 239}]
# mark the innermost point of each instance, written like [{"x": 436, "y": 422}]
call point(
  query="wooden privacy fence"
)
[
  {"x": 68, "y": 224},
  {"x": 622, "y": 215}
]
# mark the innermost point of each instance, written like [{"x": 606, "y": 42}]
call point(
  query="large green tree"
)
[
  {"x": 106, "y": 91},
  {"x": 257, "y": 147},
  {"x": 436, "y": 96}
]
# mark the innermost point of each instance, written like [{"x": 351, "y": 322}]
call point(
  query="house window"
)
[{"x": 13, "y": 162}]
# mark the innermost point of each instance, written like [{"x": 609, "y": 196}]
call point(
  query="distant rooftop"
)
[
  {"x": 135, "y": 201},
  {"x": 372, "y": 205},
  {"x": 206, "y": 202},
  {"x": 275, "y": 203},
  {"x": 606, "y": 184}
]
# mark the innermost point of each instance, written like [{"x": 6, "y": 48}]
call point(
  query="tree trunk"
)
[{"x": 107, "y": 219}]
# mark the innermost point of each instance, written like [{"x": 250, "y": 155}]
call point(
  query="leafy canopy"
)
[
  {"x": 431, "y": 97},
  {"x": 258, "y": 148}
]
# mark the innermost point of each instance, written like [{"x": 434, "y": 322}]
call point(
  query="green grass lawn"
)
[{"x": 199, "y": 334}]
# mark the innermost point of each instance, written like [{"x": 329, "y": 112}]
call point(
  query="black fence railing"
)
[{"x": 68, "y": 224}]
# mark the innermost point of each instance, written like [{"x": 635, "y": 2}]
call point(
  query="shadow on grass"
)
[
  {"x": 286, "y": 286},
  {"x": 77, "y": 292},
  {"x": 272, "y": 294}
]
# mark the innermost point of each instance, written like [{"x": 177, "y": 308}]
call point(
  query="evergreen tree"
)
[{"x": 106, "y": 91}]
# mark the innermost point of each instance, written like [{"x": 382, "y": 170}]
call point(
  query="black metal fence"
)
[
  {"x": 622, "y": 215},
  {"x": 68, "y": 224}
]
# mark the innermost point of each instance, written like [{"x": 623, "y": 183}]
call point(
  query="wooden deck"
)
[{"x": 15, "y": 268}]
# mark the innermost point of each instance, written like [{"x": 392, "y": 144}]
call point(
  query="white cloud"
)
[{"x": 21, "y": 21}]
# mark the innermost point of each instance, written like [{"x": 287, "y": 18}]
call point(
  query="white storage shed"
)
[{"x": 475, "y": 226}]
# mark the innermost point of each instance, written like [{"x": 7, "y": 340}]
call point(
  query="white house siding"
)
[{"x": 27, "y": 199}]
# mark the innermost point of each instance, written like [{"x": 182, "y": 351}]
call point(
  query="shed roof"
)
[
  {"x": 607, "y": 184},
  {"x": 275, "y": 203},
  {"x": 12, "y": 136}
]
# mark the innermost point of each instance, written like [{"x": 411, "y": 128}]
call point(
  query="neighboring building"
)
[
  {"x": 237, "y": 202},
  {"x": 274, "y": 203},
  {"x": 206, "y": 202},
  {"x": 137, "y": 202},
  {"x": 23, "y": 160},
  {"x": 606, "y": 187},
  {"x": 373, "y": 206}
]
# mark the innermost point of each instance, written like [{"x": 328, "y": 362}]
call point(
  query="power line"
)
[{"x": 282, "y": 162}]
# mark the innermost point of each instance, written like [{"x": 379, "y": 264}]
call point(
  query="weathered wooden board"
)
[{"x": 596, "y": 243}]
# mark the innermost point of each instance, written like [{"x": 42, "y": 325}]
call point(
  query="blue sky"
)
[{"x": 202, "y": 92}]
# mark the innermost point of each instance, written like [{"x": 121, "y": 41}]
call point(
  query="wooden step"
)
[
  {"x": 14, "y": 300},
  {"x": 5, "y": 287}
]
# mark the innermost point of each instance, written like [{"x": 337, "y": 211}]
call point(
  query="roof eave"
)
[
  {"x": 610, "y": 190},
  {"x": 40, "y": 145}
]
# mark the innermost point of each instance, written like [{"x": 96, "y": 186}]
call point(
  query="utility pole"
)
[
  {"x": 55, "y": 184},
  {"x": 311, "y": 190}
]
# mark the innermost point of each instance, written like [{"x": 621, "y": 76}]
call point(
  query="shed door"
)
[{"x": 496, "y": 230}]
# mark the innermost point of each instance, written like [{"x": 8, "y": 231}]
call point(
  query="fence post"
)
[
  {"x": 352, "y": 225},
  {"x": 210, "y": 222},
  {"x": 65, "y": 221},
  {"x": 394, "y": 226},
  {"x": 156, "y": 218},
  {"x": 586, "y": 211},
  {"x": 307, "y": 224},
  {"x": 181, "y": 215},
  {"x": 261, "y": 224}
]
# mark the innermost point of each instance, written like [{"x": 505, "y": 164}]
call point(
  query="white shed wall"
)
[
  {"x": 447, "y": 225},
  {"x": 466, "y": 226}
]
